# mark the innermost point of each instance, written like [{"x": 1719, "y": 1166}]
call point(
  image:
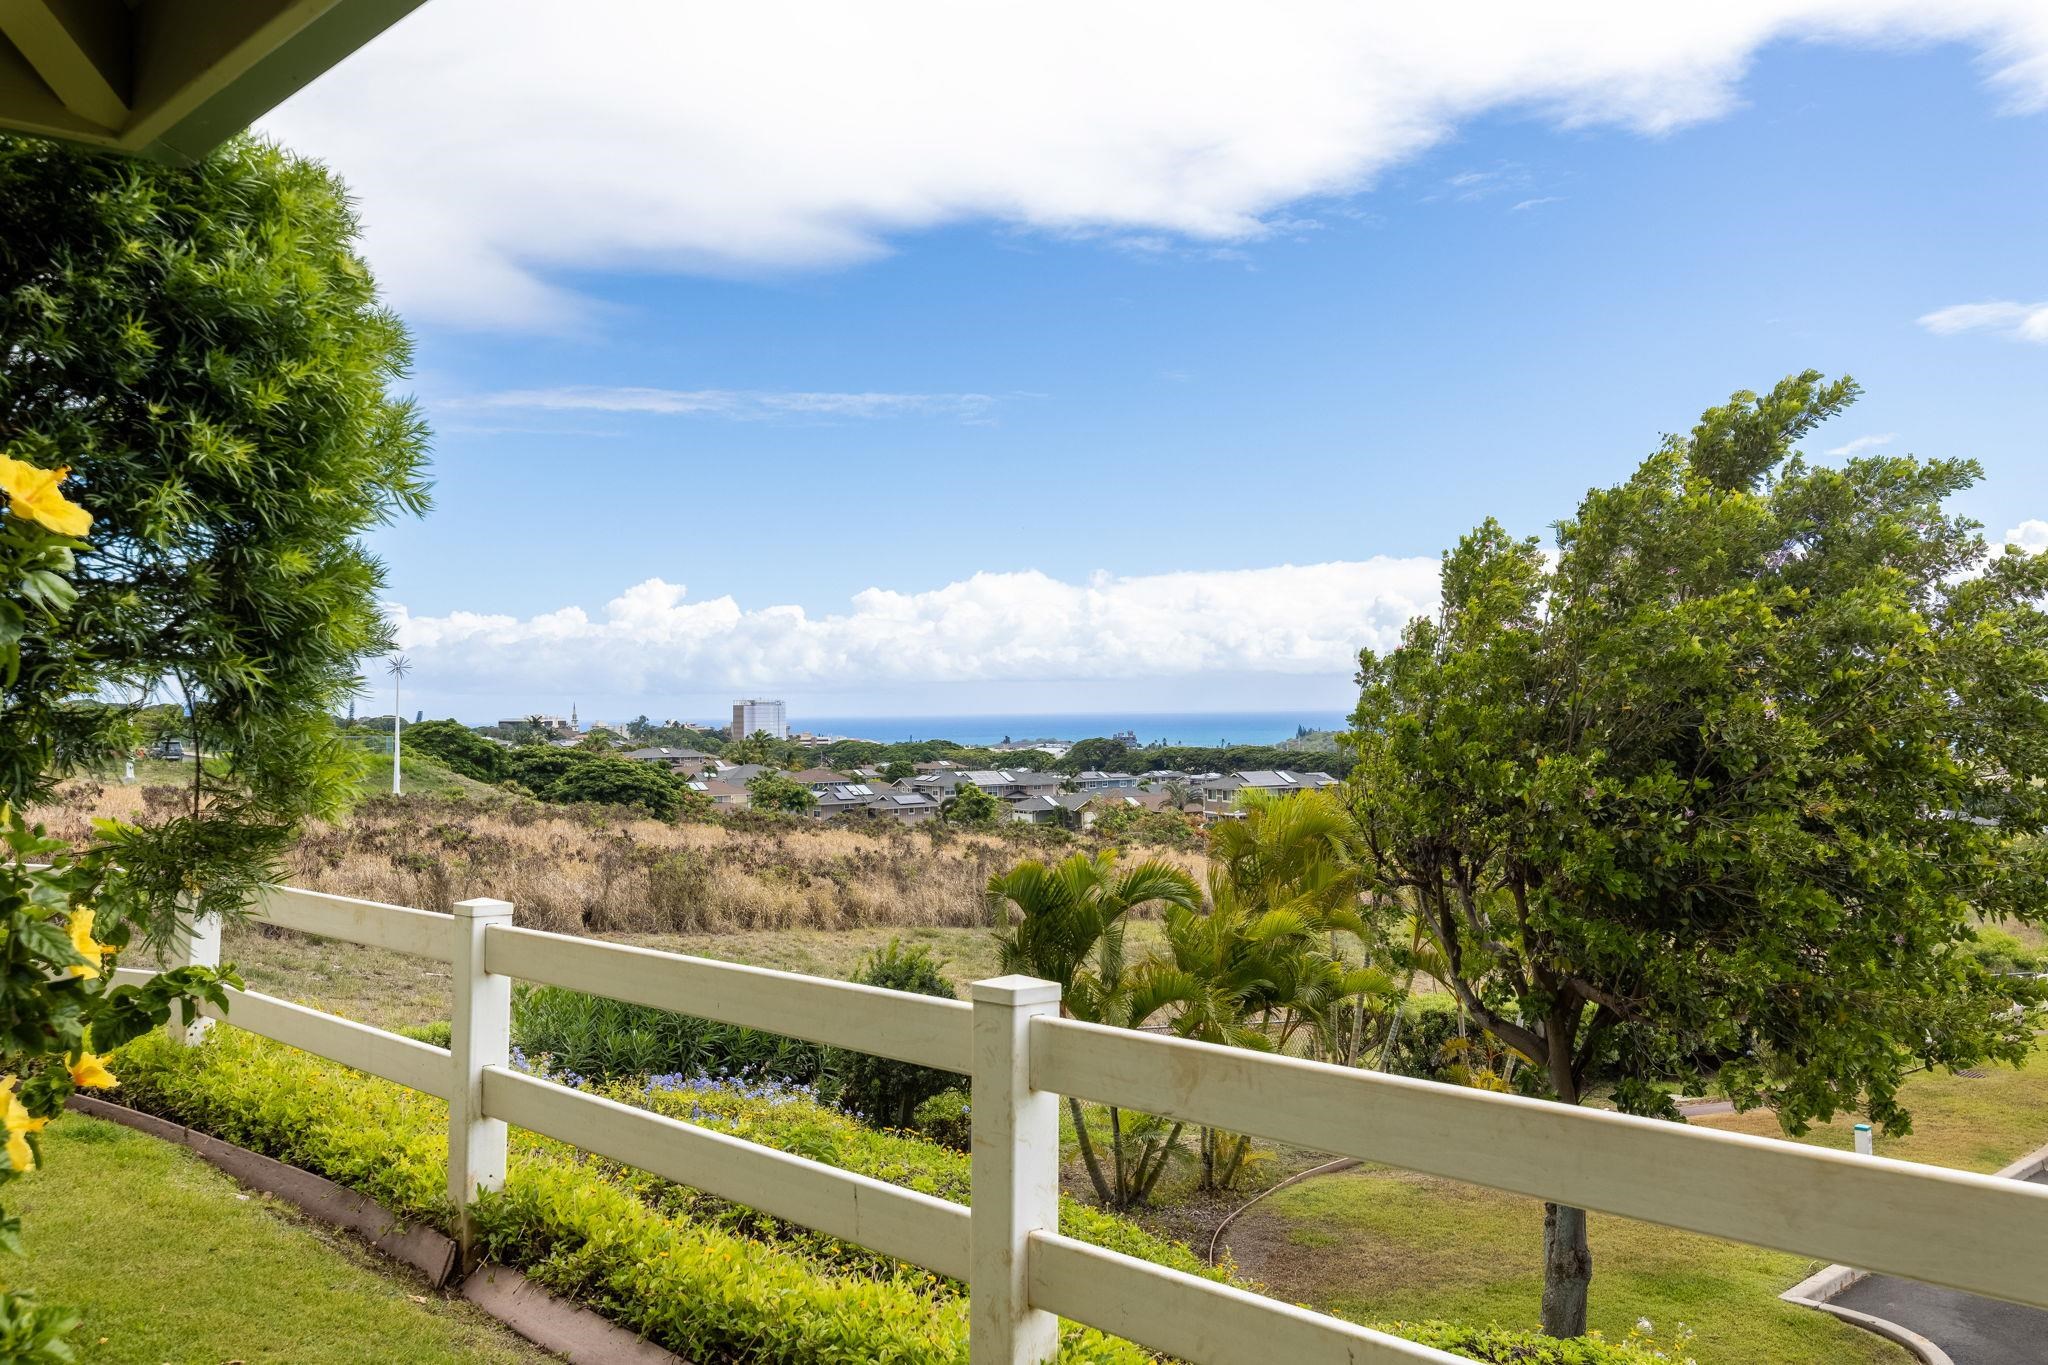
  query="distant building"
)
[
  {"x": 548, "y": 725},
  {"x": 818, "y": 779},
  {"x": 693, "y": 760},
  {"x": 910, "y": 808},
  {"x": 1220, "y": 793},
  {"x": 754, "y": 715},
  {"x": 1127, "y": 738}
]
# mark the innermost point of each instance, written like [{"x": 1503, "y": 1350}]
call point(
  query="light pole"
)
[{"x": 398, "y": 668}]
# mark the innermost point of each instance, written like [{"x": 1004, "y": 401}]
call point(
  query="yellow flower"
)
[
  {"x": 19, "y": 1125},
  {"x": 82, "y": 940},
  {"x": 32, "y": 493},
  {"x": 90, "y": 1072}
]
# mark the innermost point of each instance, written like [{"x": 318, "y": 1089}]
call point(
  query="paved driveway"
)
[{"x": 1973, "y": 1330}]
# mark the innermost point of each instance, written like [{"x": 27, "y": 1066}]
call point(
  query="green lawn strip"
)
[
  {"x": 169, "y": 1261},
  {"x": 1376, "y": 1244},
  {"x": 1979, "y": 1123}
]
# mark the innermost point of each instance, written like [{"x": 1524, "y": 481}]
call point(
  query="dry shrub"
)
[{"x": 595, "y": 870}]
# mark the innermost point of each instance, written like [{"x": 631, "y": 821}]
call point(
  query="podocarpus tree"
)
[
  {"x": 205, "y": 351},
  {"x": 1719, "y": 795}
]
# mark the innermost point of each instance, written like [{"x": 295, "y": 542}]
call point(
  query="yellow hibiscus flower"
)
[
  {"x": 90, "y": 1072},
  {"x": 19, "y": 1125},
  {"x": 87, "y": 948},
  {"x": 33, "y": 493}
]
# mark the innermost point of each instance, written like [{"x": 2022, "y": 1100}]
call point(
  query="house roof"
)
[
  {"x": 132, "y": 78},
  {"x": 817, "y": 777},
  {"x": 664, "y": 752},
  {"x": 900, "y": 801},
  {"x": 716, "y": 786}
]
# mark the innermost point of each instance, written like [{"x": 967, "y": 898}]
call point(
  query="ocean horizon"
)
[{"x": 1192, "y": 728}]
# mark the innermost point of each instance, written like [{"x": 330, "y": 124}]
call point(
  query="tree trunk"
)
[
  {"x": 1102, "y": 1193},
  {"x": 1567, "y": 1258},
  {"x": 1116, "y": 1152},
  {"x": 1567, "y": 1270}
]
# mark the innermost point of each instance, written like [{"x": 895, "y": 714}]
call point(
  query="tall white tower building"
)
[{"x": 754, "y": 714}]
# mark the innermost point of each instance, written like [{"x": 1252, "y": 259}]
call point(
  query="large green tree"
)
[
  {"x": 204, "y": 354},
  {"x": 205, "y": 351},
  {"x": 1719, "y": 794}
]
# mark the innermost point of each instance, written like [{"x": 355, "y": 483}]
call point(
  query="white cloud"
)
[
  {"x": 991, "y": 628},
  {"x": 498, "y": 145},
  {"x": 2020, "y": 321},
  {"x": 2030, "y": 535},
  {"x": 1863, "y": 443},
  {"x": 742, "y": 404}
]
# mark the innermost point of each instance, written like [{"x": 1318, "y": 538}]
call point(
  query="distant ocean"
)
[{"x": 1193, "y": 728}]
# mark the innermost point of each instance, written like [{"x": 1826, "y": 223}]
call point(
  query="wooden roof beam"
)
[{"x": 80, "y": 49}]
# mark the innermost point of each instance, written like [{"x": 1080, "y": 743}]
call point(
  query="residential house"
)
[
  {"x": 742, "y": 773},
  {"x": 818, "y": 779},
  {"x": 1098, "y": 781},
  {"x": 1220, "y": 793},
  {"x": 1037, "y": 810},
  {"x": 910, "y": 808},
  {"x": 681, "y": 760},
  {"x": 842, "y": 798},
  {"x": 724, "y": 795}
]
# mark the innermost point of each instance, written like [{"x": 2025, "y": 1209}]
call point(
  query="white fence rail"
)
[{"x": 1969, "y": 1232}]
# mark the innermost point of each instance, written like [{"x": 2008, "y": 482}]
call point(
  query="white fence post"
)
[
  {"x": 1016, "y": 1174},
  {"x": 480, "y": 1035},
  {"x": 195, "y": 942}
]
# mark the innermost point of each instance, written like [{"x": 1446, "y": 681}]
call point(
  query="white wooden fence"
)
[{"x": 1970, "y": 1232}]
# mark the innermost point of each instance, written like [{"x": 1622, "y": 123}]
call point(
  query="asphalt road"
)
[{"x": 1973, "y": 1330}]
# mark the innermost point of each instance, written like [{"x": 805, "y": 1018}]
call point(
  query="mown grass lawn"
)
[
  {"x": 1374, "y": 1243},
  {"x": 1381, "y": 1243},
  {"x": 1972, "y": 1123},
  {"x": 170, "y": 1260}
]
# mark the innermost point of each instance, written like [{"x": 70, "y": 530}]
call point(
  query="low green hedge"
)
[
  {"x": 786, "y": 1119},
  {"x": 703, "y": 1288},
  {"x": 605, "y": 1039}
]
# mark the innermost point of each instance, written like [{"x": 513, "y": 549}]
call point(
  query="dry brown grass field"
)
[{"x": 576, "y": 870}]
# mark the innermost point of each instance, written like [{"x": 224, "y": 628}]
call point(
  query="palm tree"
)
[
  {"x": 1285, "y": 891},
  {"x": 1070, "y": 930}
]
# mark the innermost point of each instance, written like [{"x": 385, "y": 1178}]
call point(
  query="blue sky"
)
[{"x": 983, "y": 462}]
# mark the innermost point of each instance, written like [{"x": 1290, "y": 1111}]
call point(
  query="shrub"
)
[
  {"x": 788, "y": 1120},
  {"x": 436, "y": 1032},
  {"x": 877, "y": 1089},
  {"x": 944, "y": 1119},
  {"x": 605, "y": 1040},
  {"x": 1999, "y": 951},
  {"x": 1500, "y": 1346}
]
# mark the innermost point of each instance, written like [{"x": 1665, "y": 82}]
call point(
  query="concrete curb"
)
[
  {"x": 552, "y": 1323},
  {"x": 1817, "y": 1289},
  {"x": 2027, "y": 1166},
  {"x": 575, "y": 1334}
]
